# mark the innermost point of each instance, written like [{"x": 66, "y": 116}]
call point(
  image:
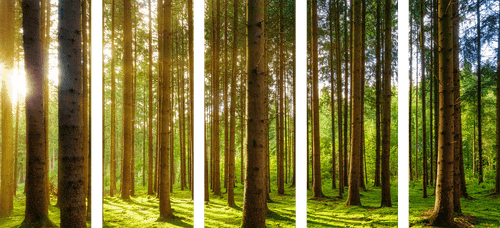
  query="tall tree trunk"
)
[
  {"x": 474, "y": 167},
  {"x": 443, "y": 208},
  {"x": 242, "y": 127},
  {"x": 183, "y": 116},
  {"x": 295, "y": 117},
  {"x": 231, "y": 182},
  {"x": 150, "y": 106},
  {"x": 479, "y": 103},
  {"x": 215, "y": 100},
  {"x": 424, "y": 128},
  {"x": 159, "y": 97},
  {"x": 128, "y": 140},
  {"x": 45, "y": 50},
  {"x": 339, "y": 101},
  {"x": 436, "y": 89},
  {"x": 35, "y": 157},
  {"x": 207, "y": 192},
  {"x": 112, "y": 167},
  {"x": 315, "y": 103},
  {"x": 362, "y": 66},
  {"x": 89, "y": 161},
  {"x": 353, "y": 197},
  {"x": 226, "y": 135},
  {"x": 378, "y": 101},
  {"x": 165, "y": 208},
  {"x": 386, "y": 120},
  {"x": 191, "y": 88},
  {"x": 430, "y": 179},
  {"x": 254, "y": 208},
  {"x": 332, "y": 98},
  {"x": 85, "y": 100},
  {"x": 70, "y": 117},
  {"x": 281, "y": 181},
  {"x": 411, "y": 96},
  {"x": 346, "y": 95},
  {"x": 144, "y": 127},
  {"x": 134, "y": 100},
  {"x": 416, "y": 121},
  {"x": 7, "y": 44}
]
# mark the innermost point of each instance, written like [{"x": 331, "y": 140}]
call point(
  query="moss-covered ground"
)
[{"x": 480, "y": 210}]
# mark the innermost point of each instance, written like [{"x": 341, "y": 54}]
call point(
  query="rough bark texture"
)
[
  {"x": 165, "y": 149},
  {"x": 386, "y": 119},
  {"x": 443, "y": 208},
  {"x": 254, "y": 208},
  {"x": 35, "y": 157},
  {"x": 353, "y": 197},
  {"x": 70, "y": 118}
]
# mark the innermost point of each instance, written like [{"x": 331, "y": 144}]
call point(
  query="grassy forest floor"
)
[
  {"x": 481, "y": 210},
  {"x": 17, "y": 215}
]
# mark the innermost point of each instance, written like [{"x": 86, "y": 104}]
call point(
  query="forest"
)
[{"x": 250, "y": 113}]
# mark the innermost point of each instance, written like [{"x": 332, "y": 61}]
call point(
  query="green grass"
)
[
  {"x": 332, "y": 212},
  {"x": 484, "y": 207},
  {"x": 17, "y": 215},
  {"x": 143, "y": 211}
]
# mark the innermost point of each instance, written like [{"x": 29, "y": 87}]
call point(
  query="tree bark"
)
[
  {"x": 70, "y": 118},
  {"x": 479, "y": 103},
  {"x": 339, "y": 102},
  {"x": 254, "y": 208},
  {"x": 443, "y": 208},
  {"x": 386, "y": 120},
  {"x": 315, "y": 103},
  {"x": 332, "y": 82},
  {"x": 353, "y": 197},
  {"x": 165, "y": 149},
  {"x": 112, "y": 167},
  {"x": 230, "y": 187},
  {"x": 35, "y": 128}
]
